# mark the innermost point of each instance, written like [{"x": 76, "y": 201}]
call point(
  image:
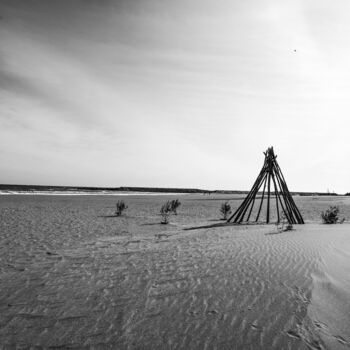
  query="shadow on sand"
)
[
  {"x": 278, "y": 232},
  {"x": 151, "y": 224},
  {"x": 224, "y": 224},
  {"x": 220, "y": 224}
]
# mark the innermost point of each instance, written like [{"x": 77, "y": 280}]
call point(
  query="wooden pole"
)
[
  {"x": 295, "y": 208},
  {"x": 261, "y": 202},
  {"x": 251, "y": 208},
  {"x": 281, "y": 203},
  {"x": 249, "y": 198},
  {"x": 268, "y": 198},
  {"x": 277, "y": 207},
  {"x": 257, "y": 184},
  {"x": 286, "y": 200}
]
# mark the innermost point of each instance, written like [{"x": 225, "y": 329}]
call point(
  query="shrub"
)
[
  {"x": 165, "y": 211},
  {"x": 225, "y": 209},
  {"x": 330, "y": 216},
  {"x": 284, "y": 225},
  {"x": 121, "y": 206},
  {"x": 174, "y": 204}
]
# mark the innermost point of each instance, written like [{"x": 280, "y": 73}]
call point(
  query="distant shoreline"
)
[
  {"x": 86, "y": 193},
  {"x": 77, "y": 190}
]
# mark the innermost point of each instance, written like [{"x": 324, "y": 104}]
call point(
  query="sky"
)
[{"x": 185, "y": 93}]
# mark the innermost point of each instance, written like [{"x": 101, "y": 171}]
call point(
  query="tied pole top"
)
[{"x": 270, "y": 158}]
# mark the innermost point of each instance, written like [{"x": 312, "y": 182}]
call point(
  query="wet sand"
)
[{"x": 73, "y": 276}]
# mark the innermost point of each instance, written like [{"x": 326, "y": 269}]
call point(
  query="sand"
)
[{"x": 72, "y": 276}]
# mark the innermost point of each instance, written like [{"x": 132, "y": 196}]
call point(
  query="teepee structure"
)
[{"x": 278, "y": 198}]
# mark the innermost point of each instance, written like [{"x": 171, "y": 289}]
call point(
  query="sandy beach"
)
[{"x": 74, "y": 276}]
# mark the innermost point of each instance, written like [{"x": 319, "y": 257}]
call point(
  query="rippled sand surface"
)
[{"x": 74, "y": 276}]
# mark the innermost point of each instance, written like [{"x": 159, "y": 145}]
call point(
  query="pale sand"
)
[{"x": 71, "y": 278}]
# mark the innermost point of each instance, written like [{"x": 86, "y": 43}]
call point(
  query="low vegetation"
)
[
  {"x": 174, "y": 204},
  {"x": 225, "y": 210},
  {"x": 165, "y": 212},
  {"x": 331, "y": 216},
  {"x": 284, "y": 225},
  {"x": 121, "y": 206}
]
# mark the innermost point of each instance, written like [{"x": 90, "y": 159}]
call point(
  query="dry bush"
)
[
  {"x": 165, "y": 211},
  {"x": 284, "y": 225},
  {"x": 330, "y": 216},
  {"x": 225, "y": 209},
  {"x": 174, "y": 204},
  {"x": 121, "y": 206}
]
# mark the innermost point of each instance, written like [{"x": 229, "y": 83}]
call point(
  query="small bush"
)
[
  {"x": 165, "y": 211},
  {"x": 121, "y": 206},
  {"x": 174, "y": 204},
  {"x": 284, "y": 225},
  {"x": 225, "y": 209},
  {"x": 330, "y": 216}
]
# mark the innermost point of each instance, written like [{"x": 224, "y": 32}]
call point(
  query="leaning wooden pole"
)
[
  {"x": 237, "y": 214},
  {"x": 295, "y": 214},
  {"x": 286, "y": 199},
  {"x": 295, "y": 208},
  {"x": 252, "y": 197},
  {"x": 268, "y": 198},
  {"x": 252, "y": 206},
  {"x": 276, "y": 194},
  {"x": 261, "y": 202},
  {"x": 286, "y": 213}
]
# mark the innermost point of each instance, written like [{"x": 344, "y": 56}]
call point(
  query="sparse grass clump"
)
[
  {"x": 284, "y": 225},
  {"x": 121, "y": 206},
  {"x": 225, "y": 210},
  {"x": 165, "y": 212},
  {"x": 330, "y": 216},
  {"x": 174, "y": 204}
]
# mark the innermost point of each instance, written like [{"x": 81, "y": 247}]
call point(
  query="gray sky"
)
[{"x": 174, "y": 93}]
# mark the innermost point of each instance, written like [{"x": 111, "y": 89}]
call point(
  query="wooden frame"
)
[{"x": 284, "y": 200}]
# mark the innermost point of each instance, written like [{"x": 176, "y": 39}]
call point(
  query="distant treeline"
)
[
  {"x": 292, "y": 193},
  {"x": 315, "y": 193},
  {"x": 35, "y": 188}
]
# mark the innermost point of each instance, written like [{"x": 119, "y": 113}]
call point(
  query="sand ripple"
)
[{"x": 88, "y": 283}]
